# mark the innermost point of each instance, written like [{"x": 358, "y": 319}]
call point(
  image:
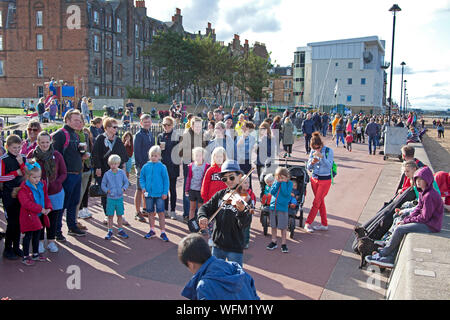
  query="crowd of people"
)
[{"x": 47, "y": 176}]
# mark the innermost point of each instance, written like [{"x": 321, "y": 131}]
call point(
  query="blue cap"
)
[
  {"x": 228, "y": 116},
  {"x": 230, "y": 166}
]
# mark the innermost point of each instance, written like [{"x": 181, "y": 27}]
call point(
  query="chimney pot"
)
[{"x": 178, "y": 11}]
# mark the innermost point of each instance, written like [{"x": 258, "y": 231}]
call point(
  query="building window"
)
[
  {"x": 39, "y": 42},
  {"x": 270, "y": 84},
  {"x": 363, "y": 81},
  {"x": 337, "y": 64},
  {"x": 349, "y": 98},
  {"x": 349, "y": 81},
  {"x": 136, "y": 30},
  {"x": 40, "y": 91},
  {"x": 136, "y": 74},
  {"x": 96, "y": 43},
  {"x": 96, "y": 68},
  {"x": 40, "y": 68},
  {"x": 1, "y": 19},
  {"x": 118, "y": 48},
  {"x": 119, "y": 25},
  {"x": 96, "y": 17},
  {"x": 350, "y": 65},
  {"x": 137, "y": 50},
  {"x": 363, "y": 98},
  {"x": 96, "y": 91},
  {"x": 119, "y": 71},
  {"x": 2, "y": 73},
  {"x": 1, "y": 42},
  {"x": 39, "y": 19}
]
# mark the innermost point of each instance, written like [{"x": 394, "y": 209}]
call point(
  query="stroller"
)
[
  {"x": 110, "y": 111},
  {"x": 300, "y": 175}
]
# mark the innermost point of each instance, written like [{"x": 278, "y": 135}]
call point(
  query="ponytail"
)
[{"x": 316, "y": 140}]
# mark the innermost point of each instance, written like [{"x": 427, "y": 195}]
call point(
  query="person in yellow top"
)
[
  {"x": 90, "y": 107},
  {"x": 337, "y": 117},
  {"x": 239, "y": 125}
]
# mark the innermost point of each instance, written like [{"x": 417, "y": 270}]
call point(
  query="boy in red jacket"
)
[{"x": 35, "y": 205}]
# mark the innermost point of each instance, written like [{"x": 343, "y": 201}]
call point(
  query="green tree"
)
[
  {"x": 253, "y": 75},
  {"x": 174, "y": 56}
]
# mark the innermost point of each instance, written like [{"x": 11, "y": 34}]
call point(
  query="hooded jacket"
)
[
  {"x": 443, "y": 180},
  {"x": 430, "y": 210},
  {"x": 30, "y": 209},
  {"x": 212, "y": 183},
  {"x": 220, "y": 280}
]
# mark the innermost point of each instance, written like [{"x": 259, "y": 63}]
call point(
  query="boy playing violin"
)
[{"x": 232, "y": 219}]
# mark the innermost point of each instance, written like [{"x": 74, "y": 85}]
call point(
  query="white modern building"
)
[{"x": 347, "y": 72}]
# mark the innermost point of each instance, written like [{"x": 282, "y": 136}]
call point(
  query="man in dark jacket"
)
[
  {"x": 231, "y": 221},
  {"x": 214, "y": 279},
  {"x": 167, "y": 141},
  {"x": 66, "y": 141},
  {"x": 317, "y": 122},
  {"x": 143, "y": 141},
  {"x": 308, "y": 129},
  {"x": 372, "y": 131},
  {"x": 325, "y": 120}
]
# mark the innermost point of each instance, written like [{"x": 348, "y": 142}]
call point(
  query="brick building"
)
[
  {"x": 94, "y": 45},
  {"x": 280, "y": 90}
]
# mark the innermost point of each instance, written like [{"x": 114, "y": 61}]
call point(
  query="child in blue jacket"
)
[
  {"x": 154, "y": 180},
  {"x": 281, "y": 196}
]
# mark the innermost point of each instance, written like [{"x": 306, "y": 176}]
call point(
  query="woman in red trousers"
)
[{"x": 320, "y": 162}]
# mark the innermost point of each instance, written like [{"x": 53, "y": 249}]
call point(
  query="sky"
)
[{"x": 422, "y": 33}]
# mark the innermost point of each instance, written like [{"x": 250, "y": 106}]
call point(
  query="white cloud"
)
[{"x": 422, "y": 36}]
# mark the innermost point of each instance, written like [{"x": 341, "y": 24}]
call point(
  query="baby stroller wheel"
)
[
  {"x": 301, "y": 218},
  {"x": 265, "y": 223}
]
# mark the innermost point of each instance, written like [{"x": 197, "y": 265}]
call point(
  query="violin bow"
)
[{"x": 234, "y": 191}]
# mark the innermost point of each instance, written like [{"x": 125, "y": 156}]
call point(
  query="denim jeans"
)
[
  {"x": 231, "y": 256},
  {"x": 341, "y": 137},
  {"x": 372, "y": 141},
  {"x": 72, "y": 190},
  {"x": 391, "y": 249},
  {"x": 325, "y": 129},
  {"x": 186, "y": 203}
]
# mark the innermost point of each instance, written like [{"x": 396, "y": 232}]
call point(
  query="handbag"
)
[{"x": 95, "y": 190}]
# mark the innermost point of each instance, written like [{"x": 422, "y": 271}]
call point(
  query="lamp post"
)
[
  {"x": 404, "y": 97},
  {"x": 401, "y": 90},
  {"x": 394, "y": 9}
]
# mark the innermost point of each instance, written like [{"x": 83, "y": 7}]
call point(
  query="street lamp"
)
[
  {"x": 404, "y": 97},
  {"x": 394, "y": 9},
  {"x": 401, "y": 90}
]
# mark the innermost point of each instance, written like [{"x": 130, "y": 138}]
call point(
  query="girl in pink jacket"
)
[{"x": 35, "y": 205}]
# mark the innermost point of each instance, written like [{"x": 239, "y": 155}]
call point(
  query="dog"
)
[{"x": 366, "y": 246}]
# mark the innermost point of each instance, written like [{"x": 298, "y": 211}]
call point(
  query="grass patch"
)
[{"x": 11, "y": 111}]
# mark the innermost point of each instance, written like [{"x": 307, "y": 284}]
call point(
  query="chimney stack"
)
[
  {"x": 178, "y": 18},
  {"x": 140, "y": 3}
]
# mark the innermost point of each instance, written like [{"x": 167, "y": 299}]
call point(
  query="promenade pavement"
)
[{"x": 137, "y": 268}]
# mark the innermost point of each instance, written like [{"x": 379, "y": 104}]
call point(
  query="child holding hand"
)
[
  {"x": 281, "y": 194},
  {"x": 114, "y": 183},
  {"x": 35, "y": 205}
]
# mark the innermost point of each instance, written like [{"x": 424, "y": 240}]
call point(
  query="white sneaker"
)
[
  {"x": 173, "y": 215},
  {"x": 41, "y": 247},
  {"x": 52, "y": 247},
  {"x": 210, "y": 242},
  {"x": 82, "y": 214},
  {"x": 308, "y": 228},
  {"x": 88, "y": 214},
  {"x": 320, "y": 227}
]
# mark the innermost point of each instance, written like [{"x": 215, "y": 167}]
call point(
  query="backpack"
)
[
  {"x": 333, "y": 168},
  {"x": 66, "y": 142}
]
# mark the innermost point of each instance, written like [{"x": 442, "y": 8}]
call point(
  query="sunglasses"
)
[
  {"x": 115, "y": 127},
  {"x": 33, "y": 129},
  {"x": 231, "y": 178}
]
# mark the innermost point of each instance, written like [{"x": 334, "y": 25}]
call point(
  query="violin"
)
[
  {"x": 233, "y": 197},
  {"x": 240, "y": 195}
]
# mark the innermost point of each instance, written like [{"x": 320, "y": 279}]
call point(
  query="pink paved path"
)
[{"x": 148, "y": 269}]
